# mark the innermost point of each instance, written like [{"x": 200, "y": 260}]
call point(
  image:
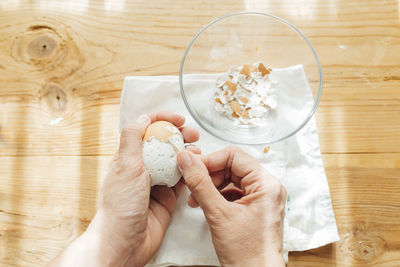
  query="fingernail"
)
[
  {"x": 184, "y": 159},
  {"x": 143, "y": 119}
]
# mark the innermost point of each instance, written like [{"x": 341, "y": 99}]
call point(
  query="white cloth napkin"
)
[{"x": 309, "y": 220}]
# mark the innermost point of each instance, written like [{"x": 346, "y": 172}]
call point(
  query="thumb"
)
[
  {"x": 199, "y": 182},
  {"x": 131, "y": 136}
]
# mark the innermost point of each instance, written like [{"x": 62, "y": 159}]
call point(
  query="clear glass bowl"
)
[{"x": 246, "y": 38}]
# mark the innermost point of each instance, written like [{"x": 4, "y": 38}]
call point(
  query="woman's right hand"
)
[{"x": 247, "y": 231}]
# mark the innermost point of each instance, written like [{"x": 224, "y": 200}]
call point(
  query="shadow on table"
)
[{"x": 15, "y": 234}]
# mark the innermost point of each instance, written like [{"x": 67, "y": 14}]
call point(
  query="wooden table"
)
[{"x": 62, "y": 65}]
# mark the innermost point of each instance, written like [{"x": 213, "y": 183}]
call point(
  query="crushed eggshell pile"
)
[{"x": 245, "y": 93}]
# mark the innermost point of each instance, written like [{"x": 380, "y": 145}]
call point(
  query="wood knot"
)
[
  {"x": 55, "y": 97},
  {"x": 38, "y": 27},
  {"x": 40, "y": 46},
  {"x": 48, "y": 48},
  {"x": 362, "y": 243}
]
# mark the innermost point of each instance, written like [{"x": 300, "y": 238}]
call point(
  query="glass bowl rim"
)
[{"x": 202, "y": 125}]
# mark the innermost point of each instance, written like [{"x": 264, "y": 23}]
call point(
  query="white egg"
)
[{"x": 161, "y": 143}]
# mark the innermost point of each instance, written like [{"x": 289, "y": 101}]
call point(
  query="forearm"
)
[
  {"x": 84, "y": 251},
  {"x": 92, "y": 248}
]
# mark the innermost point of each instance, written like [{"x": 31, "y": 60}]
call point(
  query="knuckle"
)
[
  {"x": 284, "y": 192},
  {"x": 237, "y": 152},
  {"x": 276, "y": 190},
  {"x": 205, "y": 160},
  {"x": 234, "y": 152},
  {"x": 195, "y": 182},
  {"x": 123, "y": 164},
  {"x": 128, "y": 131},
  {"x": 234, "y": 149},
  {"x": 138, "y": 167},
  {"x": 124, "y": 132}
]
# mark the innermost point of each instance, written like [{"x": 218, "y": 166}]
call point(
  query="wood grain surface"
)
[{"x": 62, "y": 65}]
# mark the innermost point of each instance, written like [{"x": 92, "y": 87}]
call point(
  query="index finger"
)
[
  {"x": 239, "y": 162},
  {"x": 243, "y": 170}
]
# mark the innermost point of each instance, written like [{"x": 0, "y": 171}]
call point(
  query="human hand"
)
[
  {"x": 247, "y": 231},
  {"x": 134, "y": 222},
  {"x": 132, "y": 218}
]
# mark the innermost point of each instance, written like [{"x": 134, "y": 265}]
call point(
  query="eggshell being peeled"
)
[{"x": 161, "y": 143}]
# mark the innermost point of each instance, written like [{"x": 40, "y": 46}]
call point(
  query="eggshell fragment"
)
[
  {"x": 231, "y": 86},
  {"x": 235, "y": 106},
  {"x": 264, "y": 71},
  {"x": 159, "y": 130},
  {"x": 244, "y": 99},
  {"x": 235, "y": 115},
  {"x": 247, "y": 69},
  {"x": 161, "y": 143},
  {"x": 245, "y": 114}
]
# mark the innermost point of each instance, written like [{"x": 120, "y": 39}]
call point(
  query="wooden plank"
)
[
  {"x": 67, "y": 104},
  {"x": 48, "y": 201},
  {"x": 343, "y": 127},
  {"x": 363, "y": 190},
  {"x": 59, "y": 109}
]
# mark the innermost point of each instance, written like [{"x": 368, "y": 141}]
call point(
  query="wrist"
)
[
  {"x": 93, "y": 248},
  {"x": 109, "y": 248},
  {"x": 270, "y": 256}
]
